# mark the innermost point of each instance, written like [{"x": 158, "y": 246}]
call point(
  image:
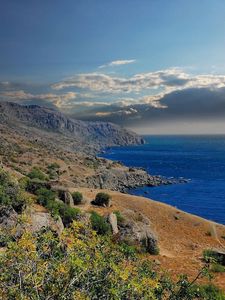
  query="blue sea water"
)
[{"x": 198, "y": 158}]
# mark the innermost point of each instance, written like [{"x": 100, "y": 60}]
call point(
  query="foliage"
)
[
  {"x": 46, "y": 198},
  {"x": 210, "y": 292},
  {"x": 99, "y": 223},
  {"x": 11, "y": 193},
  {"x": 217, "y": 268},
  {"x": 53, "y": 166},
  {"x": 36, "y": 173},
  {"x": 33, "y": 185},
  {"x": 120, "y": 218},
  {"x": 83, "y": 265},
  {"x": 53, "y": 170},
  {"x": 77, "y": 197},
  {"x": 102, "y": 199},
  {"x": 212, "y": 256}
]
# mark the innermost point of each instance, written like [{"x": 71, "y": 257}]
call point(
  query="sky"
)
[{"x": 155, "y": 66}]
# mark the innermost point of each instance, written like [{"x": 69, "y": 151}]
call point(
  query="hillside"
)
[
  {"x": 182, "y": 237},
  {"x": 46, "y": 123}
]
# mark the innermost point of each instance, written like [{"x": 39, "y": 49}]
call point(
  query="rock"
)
[
  {"x": 113, "y": 223},
  {"x": 64, "y": 195},
  {"x": 40, "y": 220},
  {"x": 8, "y": 217},
  {"x": 157, "y": 262},
  {"x": 69, "y": 199},
  {"x": 139, "y": 232},
  {"x": 59, "y": 225}
]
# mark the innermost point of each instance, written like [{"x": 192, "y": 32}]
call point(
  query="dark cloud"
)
[{"x": 190, "y": 104}]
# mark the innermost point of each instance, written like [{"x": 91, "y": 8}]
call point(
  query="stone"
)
[
  {"x": 8, "y": 217},
  {"x": 69, "y": 199},
  {"x": 113, "y": 222}
]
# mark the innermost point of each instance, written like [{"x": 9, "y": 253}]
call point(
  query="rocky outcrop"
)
[
  {"x": 123, "y": 179},
  {"x": 41, "y": 219},
  {"x": 136, "y": 230}
]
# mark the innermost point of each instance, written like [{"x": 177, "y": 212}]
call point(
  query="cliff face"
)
[{"x": 99, "y": 134}]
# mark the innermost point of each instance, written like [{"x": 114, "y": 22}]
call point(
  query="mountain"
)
[{"x": 96, "y": 135}]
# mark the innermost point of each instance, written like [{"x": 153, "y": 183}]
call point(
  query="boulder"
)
[
  {"x": 139, "y": 232},
  {"x": 8, "y": 217},
  {"x": 113, "y": 222},
  {"x": 68, "y": 199},
  {"x": 59, "y": 225}
]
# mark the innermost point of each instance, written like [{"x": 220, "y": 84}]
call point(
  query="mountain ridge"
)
[{"x": 96, "y": 134}]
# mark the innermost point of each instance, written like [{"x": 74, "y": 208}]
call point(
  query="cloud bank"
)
[{"x": 140, "y": 100}]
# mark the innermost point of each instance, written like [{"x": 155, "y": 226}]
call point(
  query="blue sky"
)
[{"x": 47, "y": 43}]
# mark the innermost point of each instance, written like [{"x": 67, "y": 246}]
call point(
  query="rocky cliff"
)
[{"x": 95, "y": 134}]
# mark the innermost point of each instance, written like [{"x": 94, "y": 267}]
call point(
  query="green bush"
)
[
  {"x": 210, "y": 292},
  {"x": 120, "y": 218},
  {"x": 11, "y": 193},
  {"x": 36, "y": 173},
  {"x": 44, "y": 196},
  {"x": 102, "y": 199},
  {"x": 212, "y": 256},
  {"x": 99, "y": 224},
  {"x": 217, "y": 268},
  {"x": 77, "y": 197},
  {"x": 33, "y": 185},
  {"x": 53, "y": 166}
]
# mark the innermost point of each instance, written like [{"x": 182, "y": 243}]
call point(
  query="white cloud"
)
[
  {"x": 118, "y": 63},
  {"x": 153, "y": 85}
]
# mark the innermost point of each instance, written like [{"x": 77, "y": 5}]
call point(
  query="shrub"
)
[
  {"x": 212, "y": 256},
  {"x": 53, "y": 166},
  {"x": 33, "y": 185},
  {"x": 23, "y": 182},
  {"x": 210, "y": 292},
  {"x": 102, "y": 199},
  {"x": 68, "y": 214},
  {"x": 11, "y": 193},
  {"x": 44, "y": 196},
  {"x": 83, "y": 265},
  {"x": 77, "y": 197},
  {"x": 99, "y": 224},
  {"x": 36, "y": 173},
  {"x": 120, "y": 218},
  {"x": 217, "y": 268}
]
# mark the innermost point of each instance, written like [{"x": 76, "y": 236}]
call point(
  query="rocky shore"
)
[{"x": 122, "y": 179}]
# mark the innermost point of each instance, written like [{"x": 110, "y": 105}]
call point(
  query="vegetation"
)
[
  {"x": 119, "y": 217},
  {"x": 77, "y": 197},
  {"x": 102, "y": 199},
  {"x": 217, "y": 268},
  {"x": 83, "y": 265},
  {"x": 11, "y": 194},
  {"x": 99, "y": 224},
  {"x": 46, "y": 198},
  {"x": 53, "y": 170},
  {"x": 212, "y": 256},
  {"x": 36, "y": 173},
  {"x": 84, "y": 262}
]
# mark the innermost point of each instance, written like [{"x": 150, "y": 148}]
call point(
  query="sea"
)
[{"x": 200, "y": 159}]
